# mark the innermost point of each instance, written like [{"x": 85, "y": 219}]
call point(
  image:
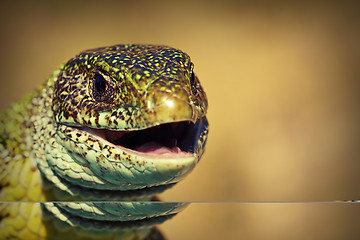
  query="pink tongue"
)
[{"x": 153, "y": 147}]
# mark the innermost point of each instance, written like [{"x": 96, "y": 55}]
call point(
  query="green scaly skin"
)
[{"x": 117, "y": 123}]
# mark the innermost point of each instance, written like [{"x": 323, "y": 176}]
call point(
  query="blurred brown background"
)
[
  {"x": 282, "y": 81},
  {"x": 259, "y": 221}
]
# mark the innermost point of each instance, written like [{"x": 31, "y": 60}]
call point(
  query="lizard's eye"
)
[{"x": 102, "y": 87}]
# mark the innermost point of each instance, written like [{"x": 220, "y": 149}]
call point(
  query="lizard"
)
[{"x": 118, "y": 123}]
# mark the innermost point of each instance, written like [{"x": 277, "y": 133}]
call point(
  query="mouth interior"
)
[{"x": 165, "y": 138}]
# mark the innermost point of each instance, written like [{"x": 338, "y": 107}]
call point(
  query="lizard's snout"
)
[{"x": 164, "y": 106}]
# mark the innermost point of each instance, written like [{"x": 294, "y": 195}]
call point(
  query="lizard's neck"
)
[{"x": 20, "y": 178}]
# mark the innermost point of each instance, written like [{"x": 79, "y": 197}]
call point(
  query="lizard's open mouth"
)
[
  {"x": 168, "y": 138},
  {"x": 130, "y": 160}
]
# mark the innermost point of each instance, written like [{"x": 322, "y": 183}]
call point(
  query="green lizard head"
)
[
  {"x": 133, "y": 116},
  {"x": 129, "y": 87}
]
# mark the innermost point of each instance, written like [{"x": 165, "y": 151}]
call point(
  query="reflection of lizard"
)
[
  {"x": 115, "y": 123},
  {"x": 86, "y": 220}
]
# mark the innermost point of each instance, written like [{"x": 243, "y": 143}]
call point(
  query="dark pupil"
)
[
  {"x": 192, "y": 78},
  {"x": 100, "y": 84}
]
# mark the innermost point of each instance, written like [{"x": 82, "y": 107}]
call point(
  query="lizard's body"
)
[{"x": 103, "y": 127}]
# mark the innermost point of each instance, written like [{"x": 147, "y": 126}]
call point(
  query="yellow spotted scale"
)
[{"x": 119, "y": 124}]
